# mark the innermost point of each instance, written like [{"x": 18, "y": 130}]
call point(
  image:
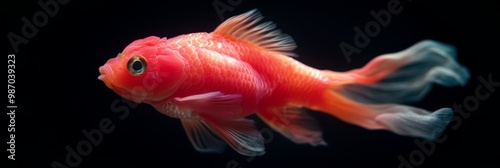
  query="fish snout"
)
[{"x": 106, "y": 74}]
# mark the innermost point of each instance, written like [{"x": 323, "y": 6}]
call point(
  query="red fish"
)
[{"x": 213, "y": 81}]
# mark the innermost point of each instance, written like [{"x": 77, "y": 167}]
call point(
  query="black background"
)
[{"x": 58, "y": 93}]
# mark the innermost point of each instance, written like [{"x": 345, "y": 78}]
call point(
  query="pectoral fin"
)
[
  {"x": 216, "y": 112},
  {"x": 213, "y": 103}
]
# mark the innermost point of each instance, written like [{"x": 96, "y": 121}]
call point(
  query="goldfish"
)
[{"x": 213, "y": 82}]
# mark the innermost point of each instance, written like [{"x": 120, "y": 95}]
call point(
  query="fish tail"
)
[{"x": 368, "y": 96}]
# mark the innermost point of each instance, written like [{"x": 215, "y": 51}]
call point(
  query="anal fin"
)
[
  {"x": 240, "y": 134},
  {"x": 294, "y": 123}
]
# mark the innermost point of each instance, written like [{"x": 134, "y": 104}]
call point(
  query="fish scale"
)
[
  {"x": 210, "y": 70},
  {"x": 291, "y": 76}
]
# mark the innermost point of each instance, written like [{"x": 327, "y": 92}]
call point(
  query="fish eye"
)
[{"x": 136, "y": 65}]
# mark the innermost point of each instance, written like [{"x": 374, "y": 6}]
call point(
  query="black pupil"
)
[{"x": 137, "y": 65}]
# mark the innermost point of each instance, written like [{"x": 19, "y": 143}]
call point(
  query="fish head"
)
[{"x": 145, "y": 71}]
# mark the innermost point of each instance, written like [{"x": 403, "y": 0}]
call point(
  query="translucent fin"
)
[
  {"x": 364, "y": 96},
  {"x": 215, "y": 103},
  {"x": 201, "y": 137},
  {"x": 406, "y": 76},
  {"x": 405, "y": 120},
  {"x": 246, "y": 27},
  {"x": 240, "y": 134},
  {"x": 293, "y": 123}
]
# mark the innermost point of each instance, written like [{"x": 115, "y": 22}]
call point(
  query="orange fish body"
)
[
  {"x": 242, "y": 68},
  {"x": 212, "y": 81}
]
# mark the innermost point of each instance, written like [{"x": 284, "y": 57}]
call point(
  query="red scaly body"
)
[{"x": 212, "y": 81}]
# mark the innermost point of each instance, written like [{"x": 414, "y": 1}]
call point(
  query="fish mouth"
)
[{"x": 106, "y": 74}]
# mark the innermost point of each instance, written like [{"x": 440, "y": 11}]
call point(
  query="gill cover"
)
[{"x": 153, "y": 71}]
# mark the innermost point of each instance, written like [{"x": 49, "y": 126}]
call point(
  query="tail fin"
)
[{"x": 366, "y": 96}]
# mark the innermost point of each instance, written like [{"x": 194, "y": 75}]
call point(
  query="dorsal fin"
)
[{"x": 246, "y": 27}]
